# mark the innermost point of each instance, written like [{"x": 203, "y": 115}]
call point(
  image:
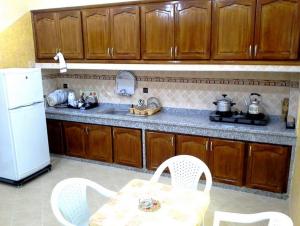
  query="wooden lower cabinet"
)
[
  {"x": 55, "y": 136},
  {"x": 268, "y": 167},
  {"x": 227, "y": 161},
  {"x": 88, "y": 141},
  {"x": 159, "y": 147},
  {"x": 99, "y": 143},
  {"x": 75, "y": 138},
  {"x": 127, "y": 146},
  {"x": 193, "y": 145}
]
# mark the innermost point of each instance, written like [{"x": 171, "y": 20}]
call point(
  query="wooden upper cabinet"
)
[
  {"x": 233, "y": 29},
  {"x": 193, "y": 145},
  {"x": 96, "y": 33},
  {"x": 99, "y": 143},
  {"x": 157, "y": 31},
  {"x": 277, "y": 29},
  {"x": 75, "y": 137},
  {"x": 268, "y": 167},
  {"x": 125, "y": 32},
  {"x": 227, "y": 161},
  {"x": 70, "y": 32},
  {"x": 128, "y": 146},
  {"x": 46, "y": 36},
  {"x": 159, "y": 147},
  {"x": 192, "y": 29}
]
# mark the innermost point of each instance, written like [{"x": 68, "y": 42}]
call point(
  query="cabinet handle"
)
[
  {"x": 250, "y": 50},
  {"x": 211, "y": 145},
  {"x": 108, "y": 51},
  {"x": 175, "y": 51},
  {"x": 171, "y": 51},
  {"x": 207, "y": 145},
  {"x": 255, "y": 50},
  {"x": 250, "y": 150},
  {"x": 172, "y": 141},
  {"x": 112, "y": 51}
]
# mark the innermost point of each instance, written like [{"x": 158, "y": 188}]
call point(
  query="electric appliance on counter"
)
[
  {"x": 24, "y": 151},
  {"x": 253, "y": 116}
]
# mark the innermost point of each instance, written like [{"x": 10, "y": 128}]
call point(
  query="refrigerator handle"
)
[{"x": 26, "y": 105}]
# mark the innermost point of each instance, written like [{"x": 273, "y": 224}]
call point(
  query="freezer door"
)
[
  {"x": 30, "y": 139},
  {"x": 23, "y": 88}
]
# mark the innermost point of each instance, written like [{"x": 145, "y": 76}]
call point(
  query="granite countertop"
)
[{"x": 175, "y": 117}]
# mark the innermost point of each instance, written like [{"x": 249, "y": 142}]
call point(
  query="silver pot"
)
[
  {"x": 224, "y": 104},
  {"x": 254, "y": 107}
]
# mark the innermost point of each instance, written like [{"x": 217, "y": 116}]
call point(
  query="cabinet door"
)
[
  {"x": 125, "y": 32},
  {"x": 157, "y": 31},
  {"x": 160, "y": 147},
  {"x": 96, "y": 33},
  {"x": 193, "y": 145},
  {"x": 46, "y": 36},
  {"x": 233, "y": 29},
  {"x": 277, "y": 29},
  {"x": 127, "y": 147},
  {"x": 99, "y": 143},
  {"x": 268, "y": 167},
  {"x": 75, "y": 136},
  {"x": 192, "y": 29},
  {"x": 227, "y": 161},
  {"x": 69, "y": 28},
  {"x": 55, "y": 136}
]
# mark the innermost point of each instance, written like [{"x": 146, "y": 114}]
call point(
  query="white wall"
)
[{"x": 10, "y": 11}]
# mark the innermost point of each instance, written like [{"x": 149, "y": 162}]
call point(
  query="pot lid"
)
[{"x": 224, "y": 98}]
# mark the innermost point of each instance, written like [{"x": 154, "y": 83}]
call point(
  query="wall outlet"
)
[
  {"x": 65, "y": 86},
  {"x": 88, "y": 93},
  {"x": 145, "y": 90}
]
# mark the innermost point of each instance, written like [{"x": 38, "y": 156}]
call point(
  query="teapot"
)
[{"x": 254, "y": 107}]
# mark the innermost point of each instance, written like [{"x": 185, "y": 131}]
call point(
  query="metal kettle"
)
[{"x": 254, "y": 107}]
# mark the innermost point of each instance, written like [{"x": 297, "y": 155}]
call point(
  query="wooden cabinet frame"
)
[
  {"x": 169, "y": 48},
  {"x": 243, "y": 168}
]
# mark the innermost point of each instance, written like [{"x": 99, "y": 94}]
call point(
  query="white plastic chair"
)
[
  {"x": 186, "y": 171},
  {"x": 69, "y": 203},
  {"x": 275, "y": 218}
]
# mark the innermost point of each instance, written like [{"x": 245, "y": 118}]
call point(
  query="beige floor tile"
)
[{"x": 29, "y": 205}]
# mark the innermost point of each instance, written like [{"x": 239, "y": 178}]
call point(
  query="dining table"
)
[{"x": 173, "y": 206}]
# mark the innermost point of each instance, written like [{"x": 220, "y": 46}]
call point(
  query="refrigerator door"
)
[
  {"x": 23, "y": 87},
  {"x": 29, "y": 131}
]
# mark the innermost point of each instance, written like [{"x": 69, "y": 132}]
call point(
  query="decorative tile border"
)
[{"x": 247, "y": 82}]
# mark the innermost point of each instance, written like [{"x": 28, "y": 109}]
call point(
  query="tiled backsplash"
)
[{"x": 186, "y": 90}]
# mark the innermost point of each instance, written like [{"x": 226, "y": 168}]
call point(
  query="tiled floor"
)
[{"x": 29, "y": 205}]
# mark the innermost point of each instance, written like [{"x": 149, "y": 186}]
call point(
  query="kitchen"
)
[{"x": 189, "y": 86}]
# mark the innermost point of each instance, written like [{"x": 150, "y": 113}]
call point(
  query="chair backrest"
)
[
  {"x": 275, "y": 218},
  {"x": 69, "y": 203},
  {"x": 185, "y": 172}
]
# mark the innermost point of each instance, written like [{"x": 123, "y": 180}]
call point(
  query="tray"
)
[{"x": 143, "y": 112}]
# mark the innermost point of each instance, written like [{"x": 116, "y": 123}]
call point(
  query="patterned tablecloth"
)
[{"x": 178, "y": 207}]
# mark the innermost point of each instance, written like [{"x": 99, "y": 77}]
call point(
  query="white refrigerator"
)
[{"x": 24, "y": 151}]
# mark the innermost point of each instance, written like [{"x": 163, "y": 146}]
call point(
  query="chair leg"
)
[{"x": 202, "y": 223}]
